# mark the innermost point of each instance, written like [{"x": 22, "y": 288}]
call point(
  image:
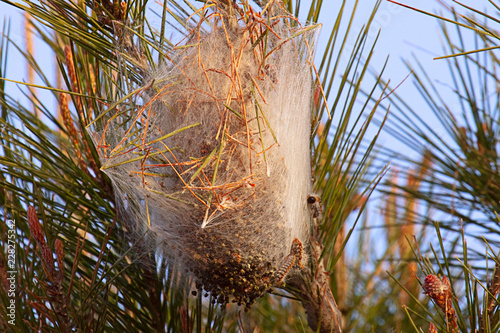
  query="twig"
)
[{"x": 313, "y": 288}]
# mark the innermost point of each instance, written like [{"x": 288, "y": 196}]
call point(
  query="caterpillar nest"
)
[{"x": 216, "y": 160}]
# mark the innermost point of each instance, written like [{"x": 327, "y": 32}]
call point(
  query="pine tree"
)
[{"x": 75, "y": 259}]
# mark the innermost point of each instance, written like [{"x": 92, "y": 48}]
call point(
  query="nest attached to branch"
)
[{"x": 216, "y": 159}]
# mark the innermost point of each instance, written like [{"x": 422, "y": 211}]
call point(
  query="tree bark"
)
[{"x": 313, "y": 289}]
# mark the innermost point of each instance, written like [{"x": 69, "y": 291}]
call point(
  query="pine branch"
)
[{"x": 313, "y": 290}]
